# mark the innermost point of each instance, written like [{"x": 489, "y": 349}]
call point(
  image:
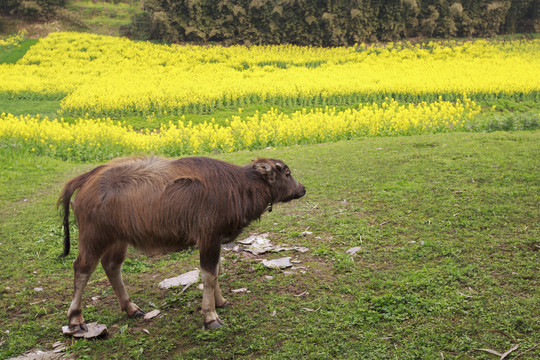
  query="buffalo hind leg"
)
[
  {"x": 112, "y": 264},
  {"x": 83, "y": 268},
  {"x": 211, "y": 291}
]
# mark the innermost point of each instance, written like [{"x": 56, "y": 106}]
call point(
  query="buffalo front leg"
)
[
  {"x": 112, "y": 264},
  {"x": 211, "y": 291},
  {"x": 211, "y": 318}
]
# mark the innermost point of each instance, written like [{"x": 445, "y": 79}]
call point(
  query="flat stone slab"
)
[
  {"x": 94, "y": 330},
  {"x": 259, "y": 244},
  {"x": 257, "y": 239},
  {"x": 152, "y": 314},
  {"x": 40, "y": 355},
  {"x": 281, "y": 263},
  {"x": 188, "y": 278}
]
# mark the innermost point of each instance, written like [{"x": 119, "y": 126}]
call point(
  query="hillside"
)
[{"x": 97, "y": 17}]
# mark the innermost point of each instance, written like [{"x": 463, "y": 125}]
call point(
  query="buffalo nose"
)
[{"x": 301, "y": 191}]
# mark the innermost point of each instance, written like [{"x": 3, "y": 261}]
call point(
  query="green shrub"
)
[{"x": 328, "y": 23}]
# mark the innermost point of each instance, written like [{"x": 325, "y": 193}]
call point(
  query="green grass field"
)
[{"x": 448, "y": 230}]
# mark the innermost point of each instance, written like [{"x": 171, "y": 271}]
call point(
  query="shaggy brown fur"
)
[{"x": 157, "y": 204}]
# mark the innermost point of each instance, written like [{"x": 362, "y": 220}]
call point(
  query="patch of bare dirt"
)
[{"x": 34, "y": 30}]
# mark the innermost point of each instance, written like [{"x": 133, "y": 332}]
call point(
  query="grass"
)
[
  {"x": 43, "y": 107},
  {"x": 12, "y": 55},
  {"x": 448, "y": 230}
]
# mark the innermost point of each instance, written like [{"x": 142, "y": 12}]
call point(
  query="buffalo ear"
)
[{"x": 266, "y": 171}]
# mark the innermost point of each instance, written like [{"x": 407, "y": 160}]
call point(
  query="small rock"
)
[
  {"x": 281, "y": 248},
  {"x": 200, "y": 286},
  {"x": 353, "y": 250},
  {"x": 231, "y": 247},
  {"x": 256, "y": 251},
  {"x": 58, "y": 347},
  {"x": 268, "y": 277},
  {"x": 38, "y": 289},
  {"x": 241, "y": 290},
  {"x": 152, "y": 314},
  {"x": 248, "y": 255}
]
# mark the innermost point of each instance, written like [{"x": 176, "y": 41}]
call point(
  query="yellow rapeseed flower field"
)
[
  {"x": 103, "y": 138},
  {"x": 111, "y": 76}
]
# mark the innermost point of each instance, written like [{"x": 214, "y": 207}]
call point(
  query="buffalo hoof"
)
[
  {"x": 75, "y": 329},
  {"x": 214, "y": 324},
  {"x": 224, "y": 305},
  {"x": 137, "y": 314}
]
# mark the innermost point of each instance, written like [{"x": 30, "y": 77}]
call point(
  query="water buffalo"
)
[{"x": 157, "y": 204}]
